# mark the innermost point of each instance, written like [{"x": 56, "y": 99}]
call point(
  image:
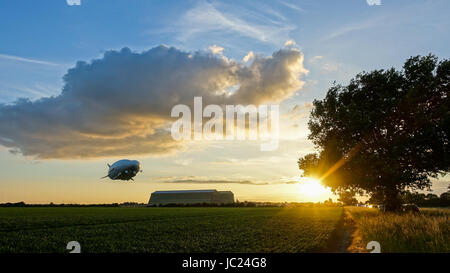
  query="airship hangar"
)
[{"x": 191, "y": 197}]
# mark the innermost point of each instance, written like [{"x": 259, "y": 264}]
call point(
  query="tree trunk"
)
[{"x": 392, "y": 200}]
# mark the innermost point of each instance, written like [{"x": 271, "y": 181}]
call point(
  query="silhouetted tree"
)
[
  {"x": 347, "y": 198},
  {"x": 377, "y": 198},
  {"x": 385, "y": 132},
  {"x": 445, "y": 196}
]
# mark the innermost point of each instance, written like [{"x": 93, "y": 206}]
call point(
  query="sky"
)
[{"x": 85, "y": 83}]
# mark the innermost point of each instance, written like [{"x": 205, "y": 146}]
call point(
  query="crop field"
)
[
  {"x": 168, "y": 230},
  {"x": 428, "y": 231}
]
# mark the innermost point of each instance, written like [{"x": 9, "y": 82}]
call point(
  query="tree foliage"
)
[
  {"x": 347, "y": 198},
  {"x": 385, "y": 132}
]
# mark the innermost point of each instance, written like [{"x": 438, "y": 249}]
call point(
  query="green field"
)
[{"x": 168, "y": 229}]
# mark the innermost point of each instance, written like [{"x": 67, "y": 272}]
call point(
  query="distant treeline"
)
[
  {"x": 427, "y": 200},
  {"x": 420, "y": 199},
  {"x": 135, "y": 204},
  {"x": 23, "y": 204}
]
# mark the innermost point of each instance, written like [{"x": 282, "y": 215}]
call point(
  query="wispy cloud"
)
[
  {"x": 26, "y": 60},
  {"x": 299, "y": 111},
  {"x": 316, "y": 58},
  {"x": 373, "y": 2},
  {"x": 326, "y": 65},
  {"x": 192, "y": 179},
  {"x": 212, "y": 181},
  {"x": 73, "y": 2},
  {"x": 291, "y": 6},
  {"x": 206, "y": 18},
  {"x": 248, "y": 161},
  {"x": 353, "y": 27},
  {"x": 222, "y": 180},
  {"x": 35, "y": 91}
]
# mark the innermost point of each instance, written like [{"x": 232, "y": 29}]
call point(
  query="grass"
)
[
  {"x": 168, "y": 229},
  {"x": 428, "y": 231}
]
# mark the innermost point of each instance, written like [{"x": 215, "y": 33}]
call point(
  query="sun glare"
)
[{"x": 312, "y": 187}]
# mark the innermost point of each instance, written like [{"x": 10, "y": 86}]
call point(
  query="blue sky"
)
[
  {"x": 41, "y": 40},
  {"x": 350, "y": 35}
]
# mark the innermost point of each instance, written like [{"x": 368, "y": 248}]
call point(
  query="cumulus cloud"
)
[
  {"x": 289, "y": 43},
  {"x": 215, "y": 49},
  {"x": 120, "y": 104},
  {"x": 249, "y": 56}
]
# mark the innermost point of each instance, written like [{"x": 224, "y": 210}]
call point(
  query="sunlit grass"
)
[{"x": 428, "y": 231}]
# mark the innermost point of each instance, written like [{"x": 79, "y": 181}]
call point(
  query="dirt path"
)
[{"x": 347, "y": 238}]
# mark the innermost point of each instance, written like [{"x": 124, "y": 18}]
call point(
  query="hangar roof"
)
[{"x": 185, "y": 191}]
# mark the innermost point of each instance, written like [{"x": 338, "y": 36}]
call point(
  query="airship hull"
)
[{"x": 124, "y": 169}]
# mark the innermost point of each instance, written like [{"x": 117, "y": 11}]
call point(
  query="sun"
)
[{"x": 312, "y": 187}]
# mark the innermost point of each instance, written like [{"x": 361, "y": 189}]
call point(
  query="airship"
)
[{"x": 123, "y": 169}]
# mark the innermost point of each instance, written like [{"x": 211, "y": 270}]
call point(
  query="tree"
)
[
  {"x": 347, "y": 198},
  {"x": 445, "y": 196},
  {"x": 385, "y": 132}
]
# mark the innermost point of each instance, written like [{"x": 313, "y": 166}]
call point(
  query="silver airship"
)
[{"x": 123, "y": 169}]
